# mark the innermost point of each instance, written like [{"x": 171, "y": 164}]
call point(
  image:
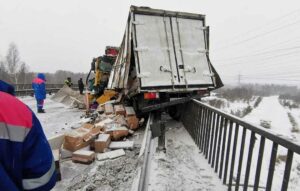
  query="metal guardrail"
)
[
  {"x": 212, "y": 131},
  {"x": 145, "y": 152},
  {"x": 26, "y": 89}
]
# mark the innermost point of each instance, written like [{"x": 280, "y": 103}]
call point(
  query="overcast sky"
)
[{"x": 258, "y": 39}]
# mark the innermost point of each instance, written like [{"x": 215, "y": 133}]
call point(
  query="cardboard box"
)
[
  {"x": 133, "y": 122},
  {"x": 102, "y": 124},
  {"x": 116, "y": 131},
  {"x": 129, "y": 111},
  {"x": 79, "y": 138},
  {"x": 120, "y": 119},
  {"x": 56, "y": 141},
  {"x": 83, "y": 156},
  {"x": 102, "y": 143},
  {"x": 108, "y": 108},
  {"x": 120, "y": 132},
  {"x": 121, "y": 145},
  {"x": 119, "y": 110},
  {"x": 88, "y": 126},
  {"x": 111, "y": 155}
]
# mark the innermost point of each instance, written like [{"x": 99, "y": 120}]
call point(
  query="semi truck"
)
[{"x": 163, "y": 60}]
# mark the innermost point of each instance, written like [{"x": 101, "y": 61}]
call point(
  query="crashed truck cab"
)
[{"x": 163, "y": 59}]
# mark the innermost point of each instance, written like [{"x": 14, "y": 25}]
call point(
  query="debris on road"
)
[
  {"x": 83, "y": 156},
  {"x": 69, "y": 97},
  {"x": 102, "y": 143},
  {"x": 102, "y": 135}
]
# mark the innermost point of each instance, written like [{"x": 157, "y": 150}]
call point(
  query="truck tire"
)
[{"x": 175, "y": 112}]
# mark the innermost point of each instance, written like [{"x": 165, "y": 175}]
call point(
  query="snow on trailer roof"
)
[{"x": 161, "y": 12}]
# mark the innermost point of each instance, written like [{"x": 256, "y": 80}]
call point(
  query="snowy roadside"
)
[
  {"x": 182, "y": 167},
  {"x": 58, "y": 117}
]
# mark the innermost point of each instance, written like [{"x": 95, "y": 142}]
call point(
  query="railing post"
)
[
  {"x": 237, "y": 185},
  {"x": 287, "y": 170},
  {"x": 203, "y": 128},
  {"x": 223, "y": 148},
  {"x": 199, "y": 126},
  {"x": 259, "y": 162},
  {"x": 248, "y": 168},
  {"x": 219, "y": 144},
  {"x": 227, "y": 153},
  {"x": 212, "y": 136},
  {"x": 236, "y": 134},
  {"x": 208, "y": 133},
  {"x": 272, "y": 166}
]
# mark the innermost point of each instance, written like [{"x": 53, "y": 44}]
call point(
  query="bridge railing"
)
[
  {"x": 229, "y": 144},
  {"x": 26, "y": 89}
]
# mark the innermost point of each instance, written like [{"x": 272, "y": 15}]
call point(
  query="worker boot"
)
[{"x": 41, "y": 111}]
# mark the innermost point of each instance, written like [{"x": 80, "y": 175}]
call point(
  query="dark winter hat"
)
[{"x": 41, "y": 76}]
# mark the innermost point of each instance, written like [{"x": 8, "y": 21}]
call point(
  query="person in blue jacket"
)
[
  {"x": 39, "y": 87},
  {"x": 26, "y": 160}
]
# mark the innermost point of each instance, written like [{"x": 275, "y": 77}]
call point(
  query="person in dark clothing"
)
[{"x": 80, "y": 86}]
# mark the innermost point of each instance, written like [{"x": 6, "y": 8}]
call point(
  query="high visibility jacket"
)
[
  {"x": 26, "y": 161},
  {"x": 39, "y": 87}
]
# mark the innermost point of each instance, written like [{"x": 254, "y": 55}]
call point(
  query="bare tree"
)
[
  {"x": 13, "y": 61},
  {"x": 22, "y": 72},
  {"x": 3, "y": 72}
]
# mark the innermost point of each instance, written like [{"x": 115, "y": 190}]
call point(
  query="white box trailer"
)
[{"x": 166, "y": 53}]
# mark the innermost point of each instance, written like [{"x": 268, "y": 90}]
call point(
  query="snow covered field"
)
[{"x": 271, "y": 110}]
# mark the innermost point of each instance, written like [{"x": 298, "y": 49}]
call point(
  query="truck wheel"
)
[{"x": 174, "y": 112}]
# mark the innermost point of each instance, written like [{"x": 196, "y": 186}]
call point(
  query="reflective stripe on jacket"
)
[{"x": 26, "y": 161}]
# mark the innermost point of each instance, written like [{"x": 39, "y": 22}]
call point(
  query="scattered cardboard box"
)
[
  {"x": 102, "y": 143},
  {"x": 129, "y": 111},
  {"x": 102, "y": 124},
  {"x": 111, "y": 155},
  {"x": 88, "y": 126},
  {"x": 133, "y": 122},
  {"x": 108, "y": 108},
  {"x": 120, "y": 119},
  {"x": 64, "y": 153},
  {"x": 92, "y": 134},
  {"x": 116, "y": 131},
  {"x": 119, "y": 110},
  {"x": 74, "y": 140},
  {"x": 56, "y": 141},
  {"x": 83, "y": 156},
  {"x": 121, "y": 145}
]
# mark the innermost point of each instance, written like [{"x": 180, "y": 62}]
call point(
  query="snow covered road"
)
[
  {"x": 182, "y": 167},
  {"x": 58, "y": 117}
]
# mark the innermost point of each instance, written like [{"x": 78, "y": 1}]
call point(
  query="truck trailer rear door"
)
[
  {"x": 190, "y": 48},
  {"x": 154, "y": 52},
  {"x": 170, "y": 52}
]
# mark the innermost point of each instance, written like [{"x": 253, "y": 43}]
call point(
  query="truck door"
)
[
  {"x": 189, "y": 45},
  {"x": 154, "y": 53}
]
